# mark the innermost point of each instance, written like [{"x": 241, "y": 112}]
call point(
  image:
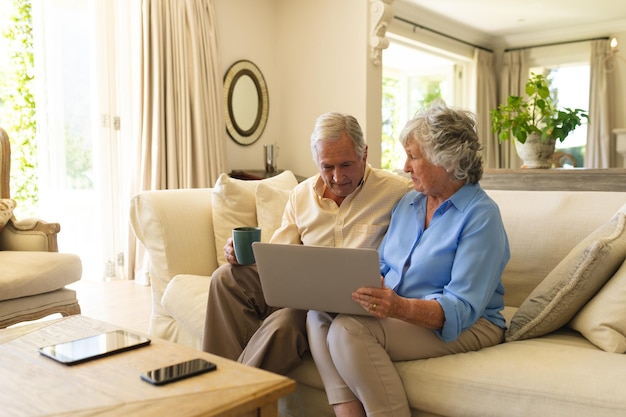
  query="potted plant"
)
[{"x": 535, "y": 122}]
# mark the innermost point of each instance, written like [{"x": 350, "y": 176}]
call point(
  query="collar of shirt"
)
[{"x": 461, "y": 199}]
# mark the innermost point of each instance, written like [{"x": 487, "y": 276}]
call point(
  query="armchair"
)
[{"x": 33, "y": 274}]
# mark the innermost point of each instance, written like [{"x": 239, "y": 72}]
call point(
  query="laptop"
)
[{"x": 315, "y": 277}]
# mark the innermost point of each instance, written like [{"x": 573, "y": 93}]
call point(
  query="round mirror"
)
[{"x": 246, "y": 101}]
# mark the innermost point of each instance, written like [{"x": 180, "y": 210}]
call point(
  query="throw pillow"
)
[
  {"x": 6, "y": 211},
  {"x": 603, "y": 320},
  {"x": 270, "y": 205},
  {"x": 555, "y": 301},
  {"x": 234, "y": 205}
]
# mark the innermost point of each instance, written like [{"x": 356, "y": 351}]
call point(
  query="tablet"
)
[{"x": 93, "y": 347}]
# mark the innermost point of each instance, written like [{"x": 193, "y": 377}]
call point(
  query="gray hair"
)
[
  {"x": 448, "y": 138},
  {"x": 329, "y": 127}
]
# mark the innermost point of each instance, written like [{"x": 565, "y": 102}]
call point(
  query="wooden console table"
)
[{"x": 577, "y": 179}]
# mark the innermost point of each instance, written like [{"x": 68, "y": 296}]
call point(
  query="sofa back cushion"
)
[
  {"x": 573, "y": 282},
  {"x": 234, "y": 205},
  {"x": 543, "y": 227},
  {"x": 603, "y": 319}
]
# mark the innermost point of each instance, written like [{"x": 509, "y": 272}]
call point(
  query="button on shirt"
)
[
  {"x": 361, "y": 220},
  {"x": 458, "y": 260}
]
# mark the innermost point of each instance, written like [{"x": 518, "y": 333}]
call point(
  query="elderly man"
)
[{"x": 348, "y": 204}]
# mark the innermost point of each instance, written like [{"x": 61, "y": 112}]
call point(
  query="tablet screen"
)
[{"x": 88, "y": 348}]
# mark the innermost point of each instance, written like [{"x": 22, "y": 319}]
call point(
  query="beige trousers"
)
[
  {"x": 355, "y": 355},
  {"x": 240, "y": 326}
]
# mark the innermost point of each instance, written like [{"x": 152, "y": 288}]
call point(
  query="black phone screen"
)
[
  {"x": 93, "y": 347},
  {"x": 178, "y": 371}
]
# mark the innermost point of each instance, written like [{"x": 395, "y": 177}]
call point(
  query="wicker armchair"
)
[{"x": 33, "y": 274}]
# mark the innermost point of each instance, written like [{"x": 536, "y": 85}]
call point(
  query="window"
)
[
  {"x": 83, "y": 127},
  {"x": 414, "y": 77},
  {"x": 567, "y": 68},
  {"x": 571, "y": 86}
]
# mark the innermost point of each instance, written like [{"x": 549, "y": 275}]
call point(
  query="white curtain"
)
[
  {"x": 182, "y": 115},
  {"x": 181, "y": 142},
  {"x": 485, "y": 102},
  {"x": 598, "y": 151},
  {"x": 512, "y": 81},
  {"x": 84, "y": 126}
]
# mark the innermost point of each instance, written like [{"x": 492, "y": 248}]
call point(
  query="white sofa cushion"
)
[
  {"x": 270, "y": 204},
  {"x": 548, "y": 376},
  {"x": 573, "y": 282},
  {"x": 234, "y": 205},
  {"x": 543, "y": 227},
  {"x": 23, "y": 274},
  {"x": 603, "y": 320}
]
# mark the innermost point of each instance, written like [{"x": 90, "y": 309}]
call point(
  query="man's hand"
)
[{"x": 229, "y": 252}]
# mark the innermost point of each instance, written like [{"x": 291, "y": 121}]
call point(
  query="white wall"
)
[
  {"x": 314, "y": 56},
  {"x": 247, "y": 29}
]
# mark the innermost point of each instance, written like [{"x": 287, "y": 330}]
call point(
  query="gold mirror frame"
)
[{"x": 235, "y": 79}]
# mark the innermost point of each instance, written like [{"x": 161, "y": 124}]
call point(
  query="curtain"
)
[
  {"x": 82, "y": 150},
  {"x": 512, "y": 83},
  {"x": 598, "y": 150},
  {"x": 485, "y": 102},
  {"x": 181, "y": 138}
]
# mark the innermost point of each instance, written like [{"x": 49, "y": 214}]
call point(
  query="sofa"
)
[{"x": 565, "y": 293}]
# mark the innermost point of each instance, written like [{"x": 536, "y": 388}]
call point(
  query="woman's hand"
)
[
  {"x": 229, "y": 252},
  {"x": 384, "y": 303},
  {"x": 379, "y": 302}
]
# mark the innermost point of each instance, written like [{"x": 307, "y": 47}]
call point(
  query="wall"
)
[
  {"x": 247, "y": 29},
  {"x": 314, "y": 57}
]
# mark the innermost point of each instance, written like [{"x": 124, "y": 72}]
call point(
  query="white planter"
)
[{"x": 536, "y": 153}]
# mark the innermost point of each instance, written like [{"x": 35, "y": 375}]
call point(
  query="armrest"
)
[
  {"x": 30, "y": 235},
  {"x": 176, "y": 229}
]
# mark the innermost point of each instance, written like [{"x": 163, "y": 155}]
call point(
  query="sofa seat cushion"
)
[
  {"x": 18, "y": 308},
  {"x": 29, "y": 273},
  {"x": 561, "y": 374}
]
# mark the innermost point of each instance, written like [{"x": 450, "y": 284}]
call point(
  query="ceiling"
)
[{"x": 510, "y": 19}]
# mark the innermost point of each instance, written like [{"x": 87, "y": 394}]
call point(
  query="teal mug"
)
[{"x": 243, "y": 238}]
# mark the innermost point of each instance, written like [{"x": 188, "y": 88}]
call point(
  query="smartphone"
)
[
  {"x": 94, "y": 347},
  {"x": 178, "y": 371}
]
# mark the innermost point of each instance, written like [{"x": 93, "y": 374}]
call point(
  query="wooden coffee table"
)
[{"x": 33, "y": 385}]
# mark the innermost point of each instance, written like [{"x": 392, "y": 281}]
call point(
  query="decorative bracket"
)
[{"x": 381, "y": 13}]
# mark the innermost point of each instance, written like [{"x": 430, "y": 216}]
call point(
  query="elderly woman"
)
[{"x": 441, "y": 263}]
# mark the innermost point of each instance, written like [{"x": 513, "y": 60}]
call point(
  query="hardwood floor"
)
[{"x": 122, "y": 302}]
